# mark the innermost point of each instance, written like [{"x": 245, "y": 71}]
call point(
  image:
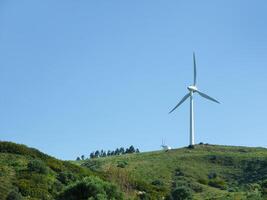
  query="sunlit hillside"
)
[{"x": 209, "y": 171}]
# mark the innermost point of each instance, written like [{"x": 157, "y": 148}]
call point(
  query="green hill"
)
[
  {"x": 208, "y": 171},
  {"x": 205, "y": 172},
  {"x": 28, "y": 174}
]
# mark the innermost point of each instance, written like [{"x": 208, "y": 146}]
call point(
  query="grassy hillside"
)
[
  {"x": 26, "y": 173},
  {"x": 205, "y": 172},
  {"x": 209, "y": 171}
]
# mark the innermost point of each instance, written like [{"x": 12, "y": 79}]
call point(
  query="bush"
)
[
  {"x": 66, "y": 177},
  {"x": 182, "y": 193},
  {"x": 256, "y": 195},
  {"x": 122, "y": 164},
  {"x": 264, "y": 186},
  {"x": 92, "y": 164},
  {"x": 191, "y": 146},
  {"x": 91, "y": 188},
  {"x": 218, "y": 183},
  {"x": 35, "y": 188},
  {"x": 144, "y": 196},
  {"x": 212, "y": 175},
  {"x": 203, "y": 181},
  {"x": 37, "y": 166},
  {"x": 14, "y": 195},
  {"x": 157, "y": 183}
]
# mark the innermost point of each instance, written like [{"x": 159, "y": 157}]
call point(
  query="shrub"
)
[
  {"x": 218, "y": 183},
  {"x": 33, "y": 189},
  {"x": 92, "y": 164},
  {"x": 182, "y": 193},
  {"x": 264, "y": 186},
  {"x": 203, "y": 181},
  {"x": 157, "y": 183},
  {"x": 14, "y": 195},
  {"x": 191, "y": 146},
  {"x": 178, "y": 172},
  {"x": 92, "y": 188},
  {"x": 66, "y": 177},
  {"x": 144, "y": 196},
  {"x": 37, "y": 166},
  {"x": 264, "y": 183},
  {"x": 212, "y": 175},
  {"x": 122, "y": 164},
  {"x": 256, "y": 195}
]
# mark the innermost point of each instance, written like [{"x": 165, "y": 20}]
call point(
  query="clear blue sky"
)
[{"x": 76, "y": 76}]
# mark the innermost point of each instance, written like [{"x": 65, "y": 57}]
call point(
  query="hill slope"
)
[
  {"x": 209, "y": 171},
  {"x": 26, "y": 173}
]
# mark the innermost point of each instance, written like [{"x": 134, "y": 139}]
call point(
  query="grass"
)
[{"x": 211, "y": 171}]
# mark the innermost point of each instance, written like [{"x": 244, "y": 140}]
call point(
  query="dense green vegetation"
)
[
  {"x": 28, "y": 174},
  {"x": 91, "y": 188},
  {"x": 203, "y": 172}
]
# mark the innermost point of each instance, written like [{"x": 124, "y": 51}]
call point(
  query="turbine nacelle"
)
[{"x": 192, "y": 88}]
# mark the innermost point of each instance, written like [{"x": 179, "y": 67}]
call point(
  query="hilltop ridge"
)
[{"x": 209, "y": 171}]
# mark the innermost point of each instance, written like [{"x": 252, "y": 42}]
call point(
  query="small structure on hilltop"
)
[{"x": 165, "y": 147}]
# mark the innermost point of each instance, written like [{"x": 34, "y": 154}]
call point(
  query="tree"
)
[
  {"x": 117, "y": 152},
  {"x": 92, "y": 155},
  {"x": 102, "y": 153},
  {"x": 97, "y": 154},
  {"x": 127, "y": 151},
  {"x": 137, "y": 151},
  {"x": 78, "y": 158},
  {"x": 82, "y": 157},
  {"x": 122, "y": 151},
  {"x": 131, "y": 149}
]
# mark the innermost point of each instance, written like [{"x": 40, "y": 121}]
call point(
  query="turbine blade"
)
[
  {"x": 195, "y": 69},
  {"x": 207, "y": 97},
  {"x": 183, "y": 99}
]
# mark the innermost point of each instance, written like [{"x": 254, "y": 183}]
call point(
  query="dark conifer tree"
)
[
  {"x": 97, "y": 154},
  {"x": 101, "y": 153},
  {"x": 92, "y": 155},
  {"x": 117, "y": 152},
  {"x": 122, "y": 151},
  {"x": 131, "y": 149}
]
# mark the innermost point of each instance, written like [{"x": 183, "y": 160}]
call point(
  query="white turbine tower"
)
[{"x": 193, "y": 89}]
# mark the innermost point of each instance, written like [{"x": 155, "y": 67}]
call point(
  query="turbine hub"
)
[{"x": 192, "y": 88}]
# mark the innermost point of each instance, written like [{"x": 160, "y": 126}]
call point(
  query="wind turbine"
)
[{"x": 193, "y": 89}]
